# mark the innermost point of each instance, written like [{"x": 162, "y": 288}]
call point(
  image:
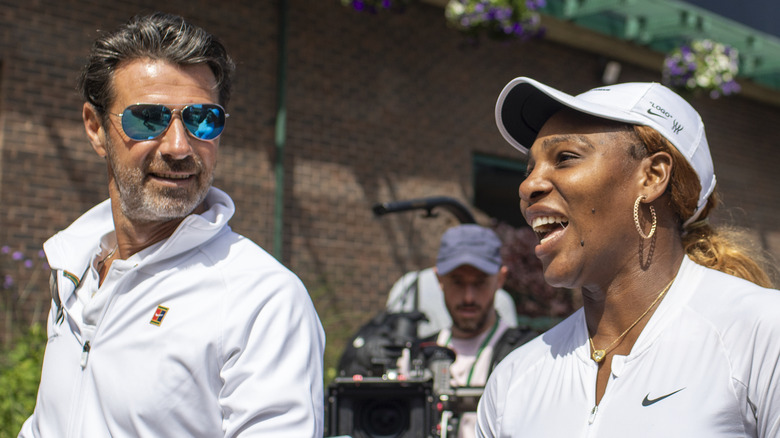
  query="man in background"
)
[
  {"x": 165, "y": 322},
  {"x": 470, "y": 271},
  {"x": 421, "y": 290}
]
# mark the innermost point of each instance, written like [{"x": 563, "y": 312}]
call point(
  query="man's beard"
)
[
  {"x": 146, "y": 203},
  {"x": 473, "y": 326}
]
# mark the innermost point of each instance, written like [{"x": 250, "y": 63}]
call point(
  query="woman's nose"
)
[{"x": 534, "y": 185}]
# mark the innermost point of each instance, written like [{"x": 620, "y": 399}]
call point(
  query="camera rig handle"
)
[{"x": 452, "y": 205}]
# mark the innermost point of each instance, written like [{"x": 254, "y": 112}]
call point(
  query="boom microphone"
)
[{"x": 428, "y": 204}]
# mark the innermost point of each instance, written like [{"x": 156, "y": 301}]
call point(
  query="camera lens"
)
[{"x": 384, "y": 418}]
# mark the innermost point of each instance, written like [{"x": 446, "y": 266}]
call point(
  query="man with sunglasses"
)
[{"x": 164, "y": 322}]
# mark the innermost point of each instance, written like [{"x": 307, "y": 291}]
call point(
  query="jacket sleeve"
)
[{"x": 271, "y": 379}]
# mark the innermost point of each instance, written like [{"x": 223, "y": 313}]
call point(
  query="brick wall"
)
[{"x": 379, "y": 108}]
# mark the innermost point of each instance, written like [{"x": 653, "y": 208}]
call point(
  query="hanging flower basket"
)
[
  {"x": 703, "y": 66},
  {"x": 374, "y": 6},
  {"x": 498, "y": 19}
]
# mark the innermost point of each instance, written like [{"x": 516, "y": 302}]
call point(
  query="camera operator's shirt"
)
[{"x": 472, "y": 364}]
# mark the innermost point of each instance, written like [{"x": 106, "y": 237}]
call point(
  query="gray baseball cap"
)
[{"x": 469, "y": 244}]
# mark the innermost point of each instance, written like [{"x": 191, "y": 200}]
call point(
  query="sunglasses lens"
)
[
  {"x": 204, "y": 121},
  {"x": 145, "y": 122}
]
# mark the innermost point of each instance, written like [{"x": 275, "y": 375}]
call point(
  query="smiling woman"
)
[{"x": 619, "y": 189}]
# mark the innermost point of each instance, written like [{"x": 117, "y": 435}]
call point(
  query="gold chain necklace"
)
[{"x": 599, "y": 355}]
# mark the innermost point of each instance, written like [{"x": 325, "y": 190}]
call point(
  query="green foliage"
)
[
  {"x": 20, "y": 373},
  {"x": 340, "y": 325},
  {"x": 22, "y": 279}
]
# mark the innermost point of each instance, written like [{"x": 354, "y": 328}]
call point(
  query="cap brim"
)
[
  {"x": 525, "y": 105},
  {"x": 480, "y": 263}
]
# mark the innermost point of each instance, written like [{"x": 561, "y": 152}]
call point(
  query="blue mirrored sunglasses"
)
[{"x": 146, "y": 121}]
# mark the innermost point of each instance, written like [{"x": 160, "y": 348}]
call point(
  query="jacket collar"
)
[{"x": 71, "y": 250}]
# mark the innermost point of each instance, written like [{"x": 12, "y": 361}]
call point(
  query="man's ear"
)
[
  {"x": 94, "y": 128},
  {"x": 656, "y": 174},
  {"x": 439, "y": 278},
  {"x": 502, "y": 273}
]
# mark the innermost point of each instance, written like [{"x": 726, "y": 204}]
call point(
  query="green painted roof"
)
[{"x": 662, "y": 25}]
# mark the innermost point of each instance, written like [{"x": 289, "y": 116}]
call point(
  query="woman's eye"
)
[{"x": 566, "y": 156}]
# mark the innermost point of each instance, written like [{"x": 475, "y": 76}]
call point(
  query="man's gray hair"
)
[{"x": 159, "y": 36}]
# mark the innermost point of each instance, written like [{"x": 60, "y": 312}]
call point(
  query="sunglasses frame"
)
[{"x": 173, "y": 111}]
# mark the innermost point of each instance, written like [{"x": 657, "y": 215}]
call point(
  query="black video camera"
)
[{"x": 392, "y": 386}]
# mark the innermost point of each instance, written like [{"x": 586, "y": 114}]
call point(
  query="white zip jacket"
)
[
  {"x": 706, "y": 365},
  {"x": 202, "y": 335}
]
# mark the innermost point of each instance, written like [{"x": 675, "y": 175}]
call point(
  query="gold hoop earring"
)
[{"x": 636, "y": 218}]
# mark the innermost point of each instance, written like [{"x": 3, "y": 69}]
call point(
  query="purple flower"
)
[
  {"x": 5, "y": 249},
  {"x": 28, "y": 263},
  {"x": 674, "y": 69},
  {"x": 358, "y": 5},
  {"x": 503, "y": 14},
  {"x": 8, "y": 282},
  {"x": 499, "y": 19},
  {"x": 387, "y": 4},
  {"x": 41, "y": 254},
  {"x": 17, "y": 255},
  {"x": 730, "y": 87}
]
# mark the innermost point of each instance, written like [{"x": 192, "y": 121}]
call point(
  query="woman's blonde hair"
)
[{"x": 726, "y": 249}]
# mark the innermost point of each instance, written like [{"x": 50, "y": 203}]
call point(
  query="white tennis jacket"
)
[{"x": 203, "y": 335}]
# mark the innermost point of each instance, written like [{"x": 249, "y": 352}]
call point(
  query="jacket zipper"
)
[
  {"x": 76, "y": 419},
  {"x": 85, "y": 355},
  {"x": 593, "y": 413}
]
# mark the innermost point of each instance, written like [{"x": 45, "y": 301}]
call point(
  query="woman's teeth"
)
[{"x": 544, "y": 226}]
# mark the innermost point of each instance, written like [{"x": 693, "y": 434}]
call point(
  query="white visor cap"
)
[{"x": 525, "y": 105}]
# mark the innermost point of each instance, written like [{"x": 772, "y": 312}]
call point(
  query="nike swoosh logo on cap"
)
[
  {"x": 649, "y": 111},
  {"x": 648, "y": 401}
]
